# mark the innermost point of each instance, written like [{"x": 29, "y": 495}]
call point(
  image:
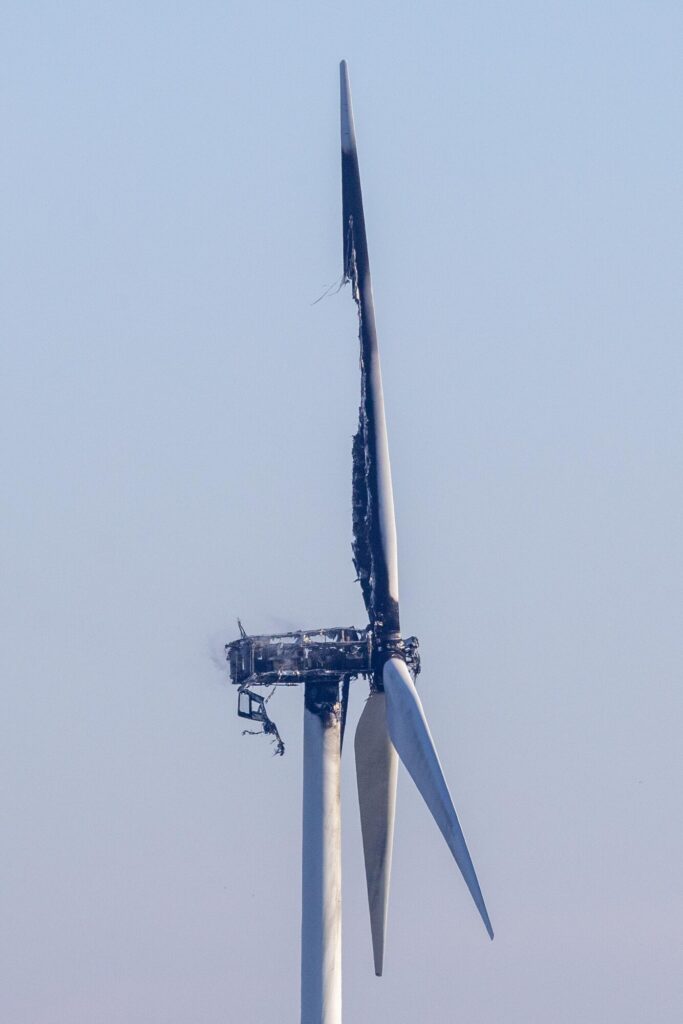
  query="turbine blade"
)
[
  {"x": 344, "y": 708},
  {"x": 374, "y": 525},
  {"x": 412, "y": 739},
  {"x": 376, "y": 773}
]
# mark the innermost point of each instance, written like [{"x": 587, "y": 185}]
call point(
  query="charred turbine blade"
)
[
  {"x": 412, "y": 739},
  {"x": 376, "y": 774},
  {"x": 346, "y": 683},
  {"x": 374, "y": 525}
]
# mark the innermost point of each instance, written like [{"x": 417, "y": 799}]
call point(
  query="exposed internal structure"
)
[
  {"x": 315, "y": 656},
  {"x": 291, "y": 658},
  {"x": 287, "y": 659}
]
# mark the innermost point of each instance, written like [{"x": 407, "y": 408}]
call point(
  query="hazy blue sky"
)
[{"x": 176, "y": 428}]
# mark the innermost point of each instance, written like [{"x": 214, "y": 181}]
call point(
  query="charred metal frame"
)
[
  {"x": 287, "y": 659},
  {"x": 325, "y": 660}
]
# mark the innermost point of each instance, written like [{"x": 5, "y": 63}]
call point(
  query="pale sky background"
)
[{"x": 176, "y": 429}]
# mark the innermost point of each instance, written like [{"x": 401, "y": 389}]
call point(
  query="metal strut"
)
[{"x": 252, "y": 706}]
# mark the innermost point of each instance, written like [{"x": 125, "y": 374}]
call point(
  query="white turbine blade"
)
[
  {"x": 376, "y": 773},
  {"x": 412, "y": 739}
]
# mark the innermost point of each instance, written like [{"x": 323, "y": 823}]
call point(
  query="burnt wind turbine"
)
[{"x": 393, "y": 723}]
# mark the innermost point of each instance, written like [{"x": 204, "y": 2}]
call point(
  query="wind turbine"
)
[{"x": 393, "y": 724}]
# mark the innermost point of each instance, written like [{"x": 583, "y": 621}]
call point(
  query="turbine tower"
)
[{"x": 393, "y": 723}]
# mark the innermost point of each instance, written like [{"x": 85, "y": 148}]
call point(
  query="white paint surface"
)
[
  {"x": 321, "y": 878},
  {"x": 385, "y": 491}
]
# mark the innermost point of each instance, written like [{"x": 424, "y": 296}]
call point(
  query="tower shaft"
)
[{"x": 321, "y": 876}]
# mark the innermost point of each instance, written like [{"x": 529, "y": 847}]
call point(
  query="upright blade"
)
[
  {"x": 410, "y": 735},
  {"x": 376, "y": 773},
  {"x": 374, "y": 526}
]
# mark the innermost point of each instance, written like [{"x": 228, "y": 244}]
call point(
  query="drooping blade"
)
[
  {"x": 374, "y": 526},
  {"x": 376, "y": 773},
  {"x": 412, "y": 739}
]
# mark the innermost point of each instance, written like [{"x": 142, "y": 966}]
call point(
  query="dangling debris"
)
[{"x": 253, "y": 706}]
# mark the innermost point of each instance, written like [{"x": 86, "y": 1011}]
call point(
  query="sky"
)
[{"x": 176, "y": 416}]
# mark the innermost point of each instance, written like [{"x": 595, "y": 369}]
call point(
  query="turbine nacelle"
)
[{"x": 287, "y": 659}]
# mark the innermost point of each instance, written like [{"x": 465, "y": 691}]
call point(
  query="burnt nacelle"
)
[
  {"x": 331, "y": 657},
  {"x": 290, "y": 658}
]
